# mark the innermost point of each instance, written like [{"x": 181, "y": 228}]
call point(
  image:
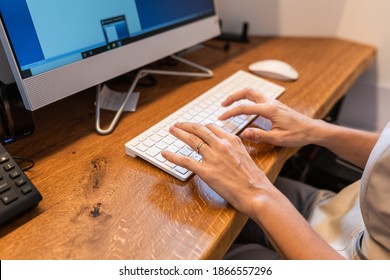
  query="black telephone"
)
[{"x": 17, "y": 193}]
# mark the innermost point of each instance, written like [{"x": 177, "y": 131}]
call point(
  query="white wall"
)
[{"x": 364, "y": 21}]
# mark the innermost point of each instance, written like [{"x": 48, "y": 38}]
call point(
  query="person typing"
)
[{"x": 288, "y": 219}]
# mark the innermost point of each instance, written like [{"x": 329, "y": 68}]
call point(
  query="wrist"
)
[
  {"x": 261, "y": 198},
  {"x": 320, "y": 131}
]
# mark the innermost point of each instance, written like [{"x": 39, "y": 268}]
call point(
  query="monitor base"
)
[{"x": 205, "y": 73}]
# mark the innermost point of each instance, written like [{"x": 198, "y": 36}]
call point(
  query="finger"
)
[
  {"x": 249, "y": 94},
  {"x": 219, "y": 132},
  {"x": 198, "y": 130},
  {"x": 264, "y": 110},
  {"x": 193, "y": 141},
  {"x": 242, "y": 109},
  {"x": 188, "y": 138},
  {"x": 254, "y": 134},
  {"x": 201, "y": 147},
  {"x": 186, "y": 162}
]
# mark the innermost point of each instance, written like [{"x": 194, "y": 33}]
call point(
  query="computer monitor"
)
[{"x": 56, "y": 48}]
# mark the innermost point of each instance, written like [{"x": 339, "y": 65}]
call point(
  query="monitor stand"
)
[{"x": 206, "y": 73}]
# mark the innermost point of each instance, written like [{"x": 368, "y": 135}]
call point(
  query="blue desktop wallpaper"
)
[{"x": 25, "y": 38}]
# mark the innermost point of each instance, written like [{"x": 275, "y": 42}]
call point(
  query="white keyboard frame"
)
[{"x": 164, "y": 124}]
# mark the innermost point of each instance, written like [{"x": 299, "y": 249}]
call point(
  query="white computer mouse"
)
[{"x": 275, "y": 69}]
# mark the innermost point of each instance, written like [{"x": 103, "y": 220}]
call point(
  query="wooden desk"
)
[{"x": 141, "y": 212}]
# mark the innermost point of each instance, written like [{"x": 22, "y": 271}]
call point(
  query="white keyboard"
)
[{"x": 204, "y": 109}]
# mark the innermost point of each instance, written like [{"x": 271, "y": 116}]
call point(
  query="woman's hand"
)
[
  {"x": 289, "y": 128},
  {"x": 226, "y": 165}
]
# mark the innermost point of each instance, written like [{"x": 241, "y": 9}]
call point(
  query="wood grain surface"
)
[{"x": 99, "y": 203}]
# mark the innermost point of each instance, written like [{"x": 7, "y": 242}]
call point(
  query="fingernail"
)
[{"x": 249, "y": 133}]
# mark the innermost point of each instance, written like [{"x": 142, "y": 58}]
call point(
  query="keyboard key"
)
[
  {"x": 162, "y": 145},
  {"x": 186, "y": 152},
  {"x": 180, "y": 144},
  {"x": 169, "y": 140},
  {"x": 156, "y": 137},
  {"x": 141, "y": 147},
  {"x": 9, "y": 166},
  {"x": 4, "y": 187},
  {"x": 3, "y": 159},
  {"x": 160, "y": 158},
  {"x": 170, "y": 164},
  {"x": 149, "y": 143},
  {"x": 20, "y": 182},
  {"x": 181, "y": 170},
  {"x": 172, "y": 149},
  {"x": 14, "y": 174},
  {"x": 26, "y": 189},
  {"x": 153, "y": 152},
  {"x": 196, "y": 156},
  {"x": 8, "y": 197}
]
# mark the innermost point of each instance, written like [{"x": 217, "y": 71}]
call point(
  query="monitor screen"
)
[{"x": 59, "y": 47}]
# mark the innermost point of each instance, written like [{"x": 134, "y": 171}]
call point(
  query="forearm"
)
[
  {"x": 289, "y": 232},
  {"x": 352, "y": 145}
]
